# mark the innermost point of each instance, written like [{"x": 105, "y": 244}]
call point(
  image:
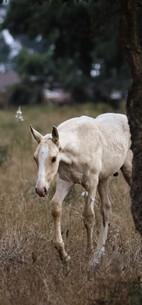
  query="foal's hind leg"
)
[
  {"x": 105, "y": 219},
  {"x": 127, "y": 168},
  {"x": 89, "y": 211}
]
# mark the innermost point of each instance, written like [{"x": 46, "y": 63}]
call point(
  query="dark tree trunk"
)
[{"x": 130, "y": 42}]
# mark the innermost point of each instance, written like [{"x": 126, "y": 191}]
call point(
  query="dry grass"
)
[{"x": 31, "y": 272}]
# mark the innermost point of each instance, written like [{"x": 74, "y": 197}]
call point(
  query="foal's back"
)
[{"x": 110, "y": 130}]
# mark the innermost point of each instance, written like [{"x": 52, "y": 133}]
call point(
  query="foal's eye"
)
[{"x": 54, "y": 159}]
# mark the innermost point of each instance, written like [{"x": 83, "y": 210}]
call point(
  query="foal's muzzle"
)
[{"x": 41, "y": 192}]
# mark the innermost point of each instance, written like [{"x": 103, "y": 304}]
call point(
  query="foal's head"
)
[{"x": 46, "y": 157}]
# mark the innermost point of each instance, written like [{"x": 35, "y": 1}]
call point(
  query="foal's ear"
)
[
  {"x": 55, "y": 135},
  {"x": 36, "y": 135}
]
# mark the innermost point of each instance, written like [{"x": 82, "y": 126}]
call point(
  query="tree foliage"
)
[{"x": 77, "y": 35}]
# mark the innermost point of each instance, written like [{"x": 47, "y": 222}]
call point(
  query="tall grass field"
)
[{"x": 31, "y": 272}]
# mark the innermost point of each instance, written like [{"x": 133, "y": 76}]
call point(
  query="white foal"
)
[{"x": 85, "y": 151}]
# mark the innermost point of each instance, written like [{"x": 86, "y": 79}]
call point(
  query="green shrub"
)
[{"x": 20, "y": 95}]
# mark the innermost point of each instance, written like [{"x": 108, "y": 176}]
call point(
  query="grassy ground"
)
[{"x": 31, "y": 272}]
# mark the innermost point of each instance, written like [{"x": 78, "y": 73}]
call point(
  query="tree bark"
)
[{"x": 130, "y": 41}]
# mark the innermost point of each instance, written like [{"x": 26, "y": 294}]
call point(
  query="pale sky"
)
[{"x": 14, "y": 44}]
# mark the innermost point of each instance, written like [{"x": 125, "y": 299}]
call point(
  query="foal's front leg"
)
[{"x": 62, "y": 189}]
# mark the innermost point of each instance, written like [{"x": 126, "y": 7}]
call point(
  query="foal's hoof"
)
[
  {"x": 97, "y": 256},
  {"x": 67, "y": 259},
  {"x": 89, "y": 253}
]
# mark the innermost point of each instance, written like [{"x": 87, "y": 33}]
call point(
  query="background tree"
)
[
  {"x": 129, "y": 32},
  {"x": 4, "y": 51}
]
